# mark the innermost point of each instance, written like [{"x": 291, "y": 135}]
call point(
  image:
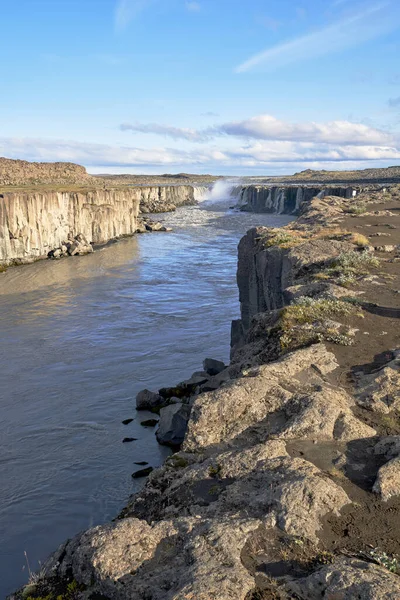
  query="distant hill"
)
[
  {"x": 22, "y": 172},
  {"x": 387, "y": 174}
]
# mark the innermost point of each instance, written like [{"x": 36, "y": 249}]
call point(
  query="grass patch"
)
[
  {"x": 348, "y": 267},
  {"x": 178, "y": 462},
  {"x": 309, "y": 321},
  {"x": 68, "y": 591},
  {"x": 358, "y": 208}
]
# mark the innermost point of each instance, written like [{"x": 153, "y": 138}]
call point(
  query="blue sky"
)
[{"x": 220, "y": 86}]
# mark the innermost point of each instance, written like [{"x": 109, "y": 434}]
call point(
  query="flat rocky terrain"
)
[
  {"x": 285, "y": 477},
  {"x": 388, "y": 175}
]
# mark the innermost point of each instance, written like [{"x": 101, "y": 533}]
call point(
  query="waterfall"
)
[
  {"x": 223, "y": 189},
  {"x": 200, "y": 192}
]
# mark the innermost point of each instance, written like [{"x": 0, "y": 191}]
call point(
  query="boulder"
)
[
  {"x": 147, "y": 400},
  {"x": 347, "y": 579},
  {"x": 173, "y": 424},
  {"x": 387, "y": 484},
  {"x": 212, "y": 366}
]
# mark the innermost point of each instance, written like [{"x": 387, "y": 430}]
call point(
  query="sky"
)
[{"x": 231, "y": 87}]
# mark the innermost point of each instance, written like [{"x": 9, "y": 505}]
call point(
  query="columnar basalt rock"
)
[
  {"x": 285, "y": 199},
  {"x": 34, "y": 223}
]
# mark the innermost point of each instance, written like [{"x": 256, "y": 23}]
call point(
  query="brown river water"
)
[{"x": 78, "y": 339}]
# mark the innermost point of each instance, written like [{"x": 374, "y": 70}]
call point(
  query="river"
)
[{"x": 78, "y": 339}]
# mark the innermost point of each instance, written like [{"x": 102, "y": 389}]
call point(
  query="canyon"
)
[
  {"x": 290, "y": 450},
  {"x": 282, "y": 457}
]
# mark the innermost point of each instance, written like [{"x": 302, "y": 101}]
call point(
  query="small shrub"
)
[
  {"x": 358, "y": 208},
  {"x": 283, "y": 239},
  {"x": 214, "y": 471},
  {"x": 178, "y": 462},
  {"x": 348, "y": 267},
  {"x": 384, "y": 560}
]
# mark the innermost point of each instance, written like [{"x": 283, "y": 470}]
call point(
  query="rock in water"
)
[
  {"x": 127, "y": 421},
  {"x": 173, "y": 424},
  {"x": 147, "y": 400},
  {"x": 127, "y": 440},
  {"x": 212, "y": 366},
  {"x": 149, "y": 423},
  {"x": 142, "y": 472}
]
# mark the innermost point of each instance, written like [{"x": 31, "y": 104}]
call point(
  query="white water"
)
[{"x": 223, "y": 189}]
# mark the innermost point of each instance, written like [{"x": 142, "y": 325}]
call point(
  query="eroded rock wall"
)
[
  {"x": 33, "y": 223},
  {"x": 285, "y": 199}
]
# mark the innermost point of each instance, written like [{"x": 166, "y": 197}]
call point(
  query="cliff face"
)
[
  {"x": 287, "y": 199},
  {"x": 164, "y": 198},
  {"x": 32, "y": 224}
]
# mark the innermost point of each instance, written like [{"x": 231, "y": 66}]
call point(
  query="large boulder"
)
[
  {"x": 212, "y": 366},
  {"x": 147, "y": 400},
  {"x": 173, "y": 424}
]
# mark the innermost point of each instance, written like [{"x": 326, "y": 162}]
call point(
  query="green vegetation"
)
[
  {"x": 215, "y": 471},
  {"x": 178, "y": 462},
  {"x": 309, "y": 321},
  {"x": 390, "y": 563},
  {"x": 72, "y": 591},
  {"x": 358, "y": 208},
  {"x": 3, "y": 269},
  {"x": 348, "y": 267}
]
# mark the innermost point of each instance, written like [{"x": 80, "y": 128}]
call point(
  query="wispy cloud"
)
[
  {"x": 347, "y": 33},
  {"x": 127, "y": 10},
  {"x": 193, "y": 6},
  {"x": 394, "y": 102},
  {"x": 177, "y": 133}
]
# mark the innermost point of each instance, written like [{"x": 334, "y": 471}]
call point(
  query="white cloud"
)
[
  {"x": 353, "y": 31},
  {"x": 267, "y": 127},
  {"x": 127, "y": 10},
  {"x": 271, "y": 155},
  {"x": 193, "y": 6}
]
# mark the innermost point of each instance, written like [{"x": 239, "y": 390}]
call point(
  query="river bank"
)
[
  {"x": 79, "y": 338},
  {"x": 285, "y": 465}
]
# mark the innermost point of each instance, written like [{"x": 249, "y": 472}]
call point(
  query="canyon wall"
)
[
  {"x": 33, "y": 223},
  {"x": 284, "y": 199}
]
